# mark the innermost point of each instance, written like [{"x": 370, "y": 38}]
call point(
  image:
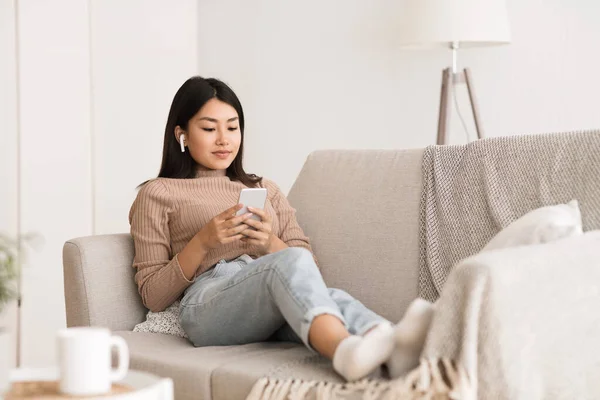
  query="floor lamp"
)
[{"x": 454, "y": 24}]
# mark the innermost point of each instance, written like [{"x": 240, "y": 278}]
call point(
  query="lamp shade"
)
[{"x": 471, "y": 23}]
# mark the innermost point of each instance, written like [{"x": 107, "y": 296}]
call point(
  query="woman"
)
[{"x": 241, "y": 280}]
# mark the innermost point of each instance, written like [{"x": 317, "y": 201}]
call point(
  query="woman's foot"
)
[
  {"x": 409, "y": 337},
  {"x": 358, "y": 356}
]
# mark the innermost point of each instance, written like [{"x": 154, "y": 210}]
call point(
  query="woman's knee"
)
[
  {"x": 295, "y": 257},
  {"x": 297, "y": 254}
]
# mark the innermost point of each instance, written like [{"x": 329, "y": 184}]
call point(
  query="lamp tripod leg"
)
[
  {"x": 473, "y": 101},
  {"x": 444, "y": 112}
]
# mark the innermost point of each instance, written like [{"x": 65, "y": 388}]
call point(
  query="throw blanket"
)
[
  {"x": 523, "y": 322},
  {"x": 312, "y": 378},
  {"x": 471, "y": 192}
]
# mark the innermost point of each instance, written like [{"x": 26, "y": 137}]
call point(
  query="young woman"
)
[{"x": 241, "y": 280}]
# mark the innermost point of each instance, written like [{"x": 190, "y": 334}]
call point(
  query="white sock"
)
[
  {"x": 358, "y": 356},
  {"x": 409, "y": 336}
]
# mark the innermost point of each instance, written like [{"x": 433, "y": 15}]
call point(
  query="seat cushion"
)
[
  {"x": 234, "y": 380},
  {"x": 220, "y": 372}
]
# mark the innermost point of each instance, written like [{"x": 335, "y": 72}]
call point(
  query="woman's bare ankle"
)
[{"x": 326, "y": 333}]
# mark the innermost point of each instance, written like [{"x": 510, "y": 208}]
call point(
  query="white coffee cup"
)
[{"x": 84, "y": 355}]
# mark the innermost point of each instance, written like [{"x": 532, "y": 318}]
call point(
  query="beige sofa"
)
[{"x": 360, "y": 209}]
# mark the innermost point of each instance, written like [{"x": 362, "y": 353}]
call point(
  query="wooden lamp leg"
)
[
  {"x": 444, "y": 113},
  {"x": 448, "y": 80}
]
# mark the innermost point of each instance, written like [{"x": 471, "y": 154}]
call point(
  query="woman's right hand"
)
[{"x": 223, "y": 229}]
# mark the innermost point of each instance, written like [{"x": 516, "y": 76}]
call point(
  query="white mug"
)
[{"x": 84, "y": 355}]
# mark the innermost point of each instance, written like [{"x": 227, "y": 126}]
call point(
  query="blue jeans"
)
[{"x": 275, "y": 297}]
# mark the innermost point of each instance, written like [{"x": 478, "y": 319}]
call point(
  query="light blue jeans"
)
[{"x": 275, "y": 297}]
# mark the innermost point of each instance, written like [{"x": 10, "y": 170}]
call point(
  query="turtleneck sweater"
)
[{"x": 166, "y": 215}]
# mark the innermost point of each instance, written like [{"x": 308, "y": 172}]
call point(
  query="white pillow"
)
[
  {"x": 166, "y": 322},
  {"x": 541, "y": 225}
]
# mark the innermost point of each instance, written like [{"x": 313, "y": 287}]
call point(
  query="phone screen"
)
[{"x": 252, "y": 197}]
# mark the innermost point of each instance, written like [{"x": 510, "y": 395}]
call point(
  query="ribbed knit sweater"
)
[{"x": 166, "y": 215}]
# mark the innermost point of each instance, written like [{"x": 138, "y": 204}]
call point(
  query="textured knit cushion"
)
[
  {"x": 541, "y": 225},
  {"x": 166, "y": 322}
]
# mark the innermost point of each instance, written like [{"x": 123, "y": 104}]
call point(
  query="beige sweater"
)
[{"x": 166, "y": 215}]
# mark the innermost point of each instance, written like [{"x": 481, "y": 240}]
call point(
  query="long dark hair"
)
[{"x": 188, "y": 100}]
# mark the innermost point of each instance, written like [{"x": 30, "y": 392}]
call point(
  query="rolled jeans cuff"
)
[{"x": 364, "y": 329}]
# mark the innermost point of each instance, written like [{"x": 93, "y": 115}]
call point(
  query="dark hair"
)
[{"x": 188, "y": 100}]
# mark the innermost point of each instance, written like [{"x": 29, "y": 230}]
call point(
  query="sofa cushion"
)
[
  {"x": 232, "y": 370},
  {"x": 360, "y": 208}
]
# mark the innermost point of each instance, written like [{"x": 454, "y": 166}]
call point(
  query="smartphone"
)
[{"x": 252, "y": 197}]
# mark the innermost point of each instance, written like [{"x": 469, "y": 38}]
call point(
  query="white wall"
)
[
  {"x": 96, "y": 80},
  {"x": 329, "y": 74},
  {"x": 142, "y": 51},
  {"x": 8, "y": 143},
  {"x": 55, "y": 137}
]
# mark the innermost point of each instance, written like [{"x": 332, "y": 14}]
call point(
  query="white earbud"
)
[{"x": 181, "y": 142}]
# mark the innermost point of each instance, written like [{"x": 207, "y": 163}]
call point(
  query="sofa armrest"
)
[{"x": 99, "y": 282}]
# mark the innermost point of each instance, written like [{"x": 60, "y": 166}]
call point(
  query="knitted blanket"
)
[{"x": 471, "y": 192}]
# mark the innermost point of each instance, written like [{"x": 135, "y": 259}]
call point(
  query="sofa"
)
[
  {"x": 367, "y": 213},
  {"x": 360, "y": 209},
  {"x": 519, "y": 322}
]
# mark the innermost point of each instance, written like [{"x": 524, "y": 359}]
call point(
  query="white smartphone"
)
[{"x": 252, "y": 197}]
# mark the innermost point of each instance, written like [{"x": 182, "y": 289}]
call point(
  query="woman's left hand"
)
[{"x": 262, "y": 237}]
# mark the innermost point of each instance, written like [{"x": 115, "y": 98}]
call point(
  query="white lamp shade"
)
[{"x": 428, "y": 23}]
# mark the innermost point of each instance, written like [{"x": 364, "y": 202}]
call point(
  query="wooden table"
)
[{"x": 137, "y": 385}]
